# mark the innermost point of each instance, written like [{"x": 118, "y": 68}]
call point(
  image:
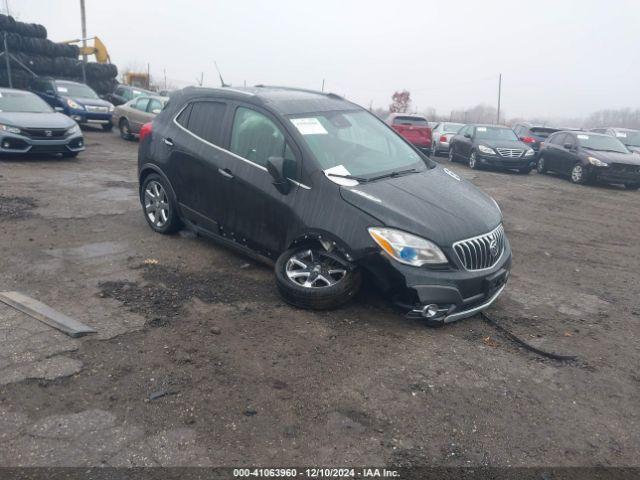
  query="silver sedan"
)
[{"x": 442, "y": 134}]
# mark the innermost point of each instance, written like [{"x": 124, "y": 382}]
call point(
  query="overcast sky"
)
[{"x": 558, "y": 58}]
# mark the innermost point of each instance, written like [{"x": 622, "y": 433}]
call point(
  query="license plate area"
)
[{"x": 493, "y": 282}]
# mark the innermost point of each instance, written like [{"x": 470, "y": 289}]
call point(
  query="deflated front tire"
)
[{"x": 311, "y": 278}]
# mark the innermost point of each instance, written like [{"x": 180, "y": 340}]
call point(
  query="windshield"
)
[
  {"x": 603, "y": 143},
  {"x": 22, "y": 102},
  {"x": 357, "y": 142},
  {"x": 630, "y": 138},
  {"x": 452, "y": 127},
  {"x": 75, "y": 90},
  {"x": 495, "y": 133},
  {"x": 417, "y": 121}
]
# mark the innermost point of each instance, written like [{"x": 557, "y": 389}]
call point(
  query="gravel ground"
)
[{"x": 198, "y": 362}]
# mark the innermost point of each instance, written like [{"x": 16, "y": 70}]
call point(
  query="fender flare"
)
[
  {"x": 322, "y": 236},
  {"x": 148, "y": 168}
]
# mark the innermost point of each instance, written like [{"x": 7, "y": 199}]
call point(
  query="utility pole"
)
[
  {"x": 148, "y": 76},
  {"x": 323, "y": 84},
  {"x": 499, "y": 96},
  {"x": 164, "y": 71},
  {"x": 83, "y": 20}
]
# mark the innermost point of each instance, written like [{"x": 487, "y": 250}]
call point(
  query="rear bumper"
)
[{"x": 11, "y": 144}]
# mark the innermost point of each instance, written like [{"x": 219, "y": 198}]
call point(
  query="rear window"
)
[
  {"x": 543, "y": 132},
  {"x": 421, "y": 122},
  {"x": 452, "y": 127}
]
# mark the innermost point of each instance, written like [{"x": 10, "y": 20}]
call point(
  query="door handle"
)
[
  {"x": 225, "y": 172},
  {"x": 168, "y": 141}
]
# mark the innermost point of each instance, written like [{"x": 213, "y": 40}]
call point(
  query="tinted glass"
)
[
  {"x": 557, "y": 139},
  {"x": 255, "y": 137},
  {"x": 629, "y": 137},
  {"x": 495, "y": 133},
  {"x": 417, "y": 121},
  {"x": 603, "y": 143},
  {"x": 542, "y": 132},
  {"x": 76, "y": 90},
  {"x": 183, "y": 118},
  {"x": 206, "y": 119},
  {"x": 22, "y": 102},
  {"x": 141, "y": 104},
  {"x": 452, "y": 127},
  {"x": 357, "y": 141}
]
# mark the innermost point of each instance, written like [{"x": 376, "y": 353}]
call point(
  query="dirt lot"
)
[{"x": 250, "y": 380}]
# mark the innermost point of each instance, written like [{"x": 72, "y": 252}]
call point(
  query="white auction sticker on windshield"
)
[
  {"x": 621, "y": 135},
  {"x": 309, "y": 126},
  {"x": 482, "y": 129},
  {"x": 338, "y": 173},
  {"x": 583, "y": 137},
  {"x": 63, "y": 89}
]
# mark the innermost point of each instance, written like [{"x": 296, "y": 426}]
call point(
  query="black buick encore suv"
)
[{"x": 326, "y": 191}]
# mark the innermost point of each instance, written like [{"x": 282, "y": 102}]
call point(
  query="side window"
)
[
  {"x": 126, "y": 94},
  {"x": 569, "y": 140},
  {"x": 155, "y": 106},
  {"x": 256, "y": 138},
  {"x": 205, "y": 120},
  {"x": 183, "y": 118},
  {"x": 558, "y": 139},
  {"x": 141, "y": 104}
]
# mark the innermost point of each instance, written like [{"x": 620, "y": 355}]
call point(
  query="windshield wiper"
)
[
  {"x": 396, "y": 173},
  {"x": 350, "y": 177}
]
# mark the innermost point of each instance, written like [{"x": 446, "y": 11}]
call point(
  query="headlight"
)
[
  {"x": 74, "y": 129},
  {"x": 9, "y": 128},
  {"x": 486, "y": 150},
  {"x": 406, "y": 248},
  {"x": 596, "y": 162},
  {"x": 529, "y": 153},
  {"x": 73, "y": 104},
  {"x": 111, "y": 108}
]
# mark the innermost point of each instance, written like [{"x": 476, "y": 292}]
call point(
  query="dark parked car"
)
[
  {"x": 628, "y": 136},
  {"x": 442, "y": 133},
  {"x": 533, "y": 135},
  {"x": 74, "y": 99},
  {"x": 414, "y": 128},
  {"x": 125, "y": 93},
  {"x": 29, "y": 126},
  {"x": 329, "y": 192},
  {"x": 588, "y": 156},
  {"x": 491, "y": 146}
]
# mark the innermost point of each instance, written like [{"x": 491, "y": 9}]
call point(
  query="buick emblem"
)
[
  {"x": 48, "y": 133},
  {"x": 493, "y": 247}
]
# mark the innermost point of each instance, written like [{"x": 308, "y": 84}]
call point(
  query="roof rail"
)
[{"x": 305, "y": 90}]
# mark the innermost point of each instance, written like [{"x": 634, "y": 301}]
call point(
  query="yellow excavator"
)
[{"x": 98, "y": 49}]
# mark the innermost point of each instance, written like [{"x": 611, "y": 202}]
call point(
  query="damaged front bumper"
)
[{"x": 441, "y": 296}]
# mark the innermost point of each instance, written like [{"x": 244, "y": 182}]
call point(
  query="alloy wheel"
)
[
  {"x": 577, "y": 173},
  {"x": 450, "y": 154},
  {"x": 313, "y": 269},
  {"x": 540, "y": 167},
  {"x": 156, "y": 204},
  {"x": 472, "y": 160}
]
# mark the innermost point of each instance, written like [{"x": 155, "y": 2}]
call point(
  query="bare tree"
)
[{"x": 401, "y": 102}]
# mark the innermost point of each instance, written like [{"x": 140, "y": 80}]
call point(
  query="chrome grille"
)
[
  {"x": 95, "y": 109},
  {"x": 481, "y": 252},
  {"x": 510, "y": 152}
]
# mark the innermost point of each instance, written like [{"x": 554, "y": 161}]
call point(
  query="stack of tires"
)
[{"x": 28, "y": 43}]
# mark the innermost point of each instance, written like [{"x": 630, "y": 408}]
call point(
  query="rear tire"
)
[
  {"x": 159, "y": 206},
  {"x": 125, "y": 129},
  {"x": 299, "y": 272}
]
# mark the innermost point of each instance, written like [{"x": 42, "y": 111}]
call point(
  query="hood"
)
[
  {"x": 97, "y": 102},
  {"x": 613, "y": 157},
  {"x": 503, "y": 144},
  {"x": 36, "y": 120},
  {"x": 434, "y": 204}
]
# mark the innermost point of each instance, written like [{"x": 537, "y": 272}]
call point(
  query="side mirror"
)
[
  {"x": 467, "y": 135},
  {"x": 156, "y": 111},
  {"x": 568, "y": 146},
  {"x": 50, "y": 92},
  {"x": 275, "y": 167}
]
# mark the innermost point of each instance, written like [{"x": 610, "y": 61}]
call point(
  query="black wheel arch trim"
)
[
  {"x": 148, "y": 168},
  {"x": 323, "y": 236}
]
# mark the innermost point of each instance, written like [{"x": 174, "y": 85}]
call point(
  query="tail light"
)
[
  {"x": 528, "y": 140},
  {"x": 146, "y": 130},
  {"x": 444, "y": 139}
]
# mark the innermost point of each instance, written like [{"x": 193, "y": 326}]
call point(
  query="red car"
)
[{"x": 413, "y": 128}]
